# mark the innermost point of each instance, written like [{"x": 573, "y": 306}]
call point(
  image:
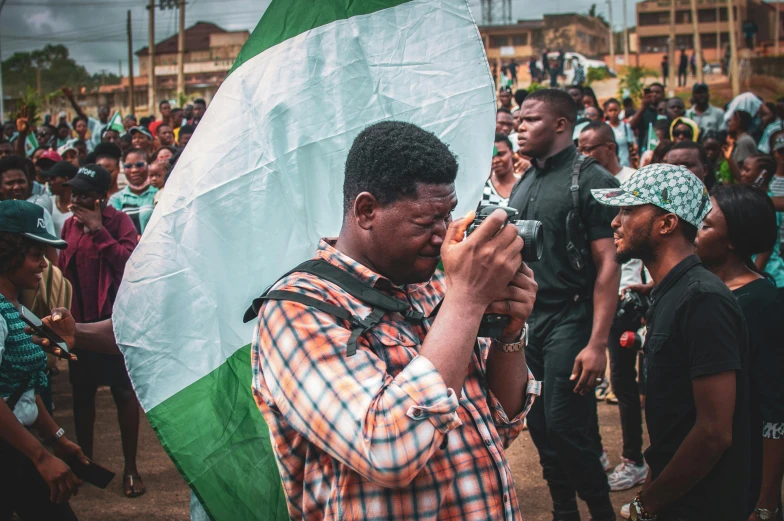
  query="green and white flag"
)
[
  {"x": 259, "y": 183},
  {"x": 115, "y": 124},
  {"x": 653, "y": 140},
  {"x": 31, "y": 144}
]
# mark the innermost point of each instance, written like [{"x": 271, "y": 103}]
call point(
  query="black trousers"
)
[
  {"x": 623, "y": 377},
  {"x": 24, "y": 491},
  {"x": 563, "y": 424}
]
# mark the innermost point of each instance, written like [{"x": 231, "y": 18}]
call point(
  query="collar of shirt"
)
[
  {"x": 557, "y": 160},
  {"x": 674, "y": 275}
]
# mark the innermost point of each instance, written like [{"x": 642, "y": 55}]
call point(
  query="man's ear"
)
[
  {"x": 366, "y": 208},
  {"x": 668, "y": 224},
  {"x": 560, "y": 125}
]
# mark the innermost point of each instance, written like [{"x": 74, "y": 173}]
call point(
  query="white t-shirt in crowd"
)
[
  {"x": 624, "y": 174},
  {"x": 26, "y": 411},
  {"x": 59, "y": 218}
]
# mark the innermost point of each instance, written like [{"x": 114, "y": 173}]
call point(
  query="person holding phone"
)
[{"x": 34, "y": 483}]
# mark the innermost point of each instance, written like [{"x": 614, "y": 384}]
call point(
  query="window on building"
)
[
  {"x": 498, "y": 41},
  {"x": 520, "y": 39},
  {"x": 706, "y": 15},
  {"x": 659, "y": 18},
  {"x": 682, "y": 17},
  {"x": 653, "y": 43}
]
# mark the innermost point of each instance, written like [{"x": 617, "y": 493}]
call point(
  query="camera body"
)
[
  {"x": 492, "y": 326},
  {"x": 633, "y": 306}
]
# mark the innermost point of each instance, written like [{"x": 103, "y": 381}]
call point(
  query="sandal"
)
[{"x": 131, "y": 482}]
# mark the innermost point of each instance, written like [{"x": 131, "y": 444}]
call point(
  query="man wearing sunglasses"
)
[{"x": 138, "y": 198}]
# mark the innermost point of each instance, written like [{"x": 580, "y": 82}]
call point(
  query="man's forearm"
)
[
  {"x": 97, "y": 337},
  {"x": 450, "y": 342},
  {"x": 605, "y": 301},
  {"x": 507, "y": 376},
  {"x": 694, "y": 459},
  {"x": 76, "y": 107},
  {"x": 772, "y": 473}
]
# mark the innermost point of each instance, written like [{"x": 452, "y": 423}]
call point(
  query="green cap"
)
[
  {"x": 27, "y": 219},
  {"x": 671, "y": 188}
]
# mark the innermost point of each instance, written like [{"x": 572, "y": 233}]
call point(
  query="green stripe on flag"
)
[
  {"x": 220, "y": 440},
  {"x": 291, "y": 22}
]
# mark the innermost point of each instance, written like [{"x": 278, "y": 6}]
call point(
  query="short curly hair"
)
[
  {"x": 13, "y": 249},
  {"x": 388, "y": 159}
]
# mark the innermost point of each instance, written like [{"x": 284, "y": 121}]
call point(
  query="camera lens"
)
[{"x": 531, "y": 232}]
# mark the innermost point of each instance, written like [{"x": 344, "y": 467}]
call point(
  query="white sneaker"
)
[
  {"x": 626, "y": 511},
  {"x": 626, "y": 475},
  {"x": 605, "y": 461}
]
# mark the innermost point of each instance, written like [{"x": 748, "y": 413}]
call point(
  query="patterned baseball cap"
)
[
  {"x": 670, "y": 187},
  {"x": 778, "y": 144}
]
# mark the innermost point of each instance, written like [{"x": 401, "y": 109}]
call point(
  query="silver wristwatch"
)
[
  {"x": 56, "y": 437},
  {"x": 766, "y": 515},
  {"x": 514, "y": 347}
]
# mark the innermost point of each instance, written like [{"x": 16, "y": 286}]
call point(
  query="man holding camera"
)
[
  {"x": 407, "y": 418},
  {"x": 578, "y": 293},
  {"x": 696, "y": 354}
]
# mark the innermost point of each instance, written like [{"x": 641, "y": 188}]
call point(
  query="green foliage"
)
[
  {"x": 533, "y": 87},
  {"x": 593, "y": 14},
  {"x": 56, "y": 69},
  {"x": 634, "y": 81},
  {"x": 30, "y": 103},
  {"x": 596, "y": 74}
]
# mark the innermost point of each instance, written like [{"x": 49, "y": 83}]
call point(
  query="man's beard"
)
[{"x": 638, "y": 246}]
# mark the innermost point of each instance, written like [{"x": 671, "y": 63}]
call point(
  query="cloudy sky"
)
[{"x": 94, "y": 30}]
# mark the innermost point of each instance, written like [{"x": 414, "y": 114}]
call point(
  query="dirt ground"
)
[{"x": 168, "y": 497}]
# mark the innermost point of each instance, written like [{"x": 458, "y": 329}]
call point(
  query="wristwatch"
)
[
  {"x": 637, "y": 512},
  {"x": 56, "y": 436},
  {"x": 514, "y": 347},
  {"x": 766, "y": 515}
]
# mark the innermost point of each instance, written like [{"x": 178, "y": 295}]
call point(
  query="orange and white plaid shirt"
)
[{"x": 378, "y": 435}]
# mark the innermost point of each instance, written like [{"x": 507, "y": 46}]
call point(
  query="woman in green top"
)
[{"x": 33, "y": 483}]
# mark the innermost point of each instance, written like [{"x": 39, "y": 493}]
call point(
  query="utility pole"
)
[
  {"x": 151, "y": 73},
  {"x": 734, "y": 79},
  {"x": 697, "y": 42},
  {"x": 672, "y": 47},
  {"x": 131, "y": 100},
  {"x": 119, "y": 68},
  {"x": 625, "y": 36},
  {"x": 612, "y": 36},
  {"x": 2, "y": 112},
  {"x": 181, "y": 55},
  {"x": 778, "y": 27},
  {"x": 718, "y": 33}
]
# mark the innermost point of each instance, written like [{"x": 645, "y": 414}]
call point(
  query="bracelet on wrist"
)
[
  {"x": 513, "y": 347},
  {"x": 55, "y": 437}
]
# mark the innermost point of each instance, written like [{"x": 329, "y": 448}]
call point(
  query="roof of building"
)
[
  {"x": 521, "y": 24},
  {"x": 197, "y": 38}
]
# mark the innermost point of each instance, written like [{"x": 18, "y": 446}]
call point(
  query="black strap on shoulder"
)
[
  {"x": 577, "y": 165},
  {"x": 379, "y": 302},
  {"x": 18, "y": 392}
]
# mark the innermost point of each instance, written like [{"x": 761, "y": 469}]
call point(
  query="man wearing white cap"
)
[{"x": 696, "y": 406}]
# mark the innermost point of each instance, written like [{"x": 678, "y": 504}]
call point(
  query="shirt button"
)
[
  {"x": 417, "y": 413},
  {"x": 506, "y": 498},
  {"x": 488, "y": 442}
]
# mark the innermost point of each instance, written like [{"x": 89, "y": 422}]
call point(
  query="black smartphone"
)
[
  {"x": 45, "y": 331},
  {"x": 93, "y": 473}
]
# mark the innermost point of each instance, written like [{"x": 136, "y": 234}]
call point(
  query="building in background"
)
[{"x": 653, "y": 25}]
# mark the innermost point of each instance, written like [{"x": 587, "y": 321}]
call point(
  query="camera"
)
[
  {"x": 633, "y": 306},
  {"x": 492, "y": 326}
]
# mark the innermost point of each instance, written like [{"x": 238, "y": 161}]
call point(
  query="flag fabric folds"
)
[
  {"x": 259, "y": 183},
  {"x": 115, "y": 124}
]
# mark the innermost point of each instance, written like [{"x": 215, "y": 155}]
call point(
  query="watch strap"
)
[
  {"x": 513, "y": 347},
  {"x": 56, "y": 436}
]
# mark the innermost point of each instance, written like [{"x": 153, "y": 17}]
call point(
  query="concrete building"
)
[
  {"x": 653, "y": 24},
  {"x": 210, "y": 52}
]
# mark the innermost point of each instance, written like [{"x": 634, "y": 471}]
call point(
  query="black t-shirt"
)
[
  {"x": 764, "y": 315},
  {"x": 696, "y": 328},
  {"x": 547, "y": 197}
]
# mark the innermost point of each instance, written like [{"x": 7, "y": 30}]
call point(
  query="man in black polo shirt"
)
[
  {"x": 578, "y": 291},
  {"x": 696, "y": 350},
  {"x": 647, "y": 114}
]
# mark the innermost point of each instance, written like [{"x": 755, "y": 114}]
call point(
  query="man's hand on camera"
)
[
  {"x": 479, "y": 267},
  {"x": 62, "y": 323},
  {"x": 517, "y": 301}
]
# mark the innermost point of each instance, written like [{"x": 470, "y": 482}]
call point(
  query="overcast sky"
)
[{"x": 94, "y": 30}]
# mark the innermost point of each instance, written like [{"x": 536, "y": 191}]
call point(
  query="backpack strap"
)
[{"x": 380, "y": 303}]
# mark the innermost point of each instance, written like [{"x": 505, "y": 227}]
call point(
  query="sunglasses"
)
[
  {"x": 138, "y": 164},
  {"x": 682, "y": 133}
]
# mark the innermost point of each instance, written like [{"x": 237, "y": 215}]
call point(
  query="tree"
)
[
  {"x": 593, "y": 14},
  {"x": 56, "y": 69}
]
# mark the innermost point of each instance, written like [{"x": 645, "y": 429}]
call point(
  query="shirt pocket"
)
[{"x": 394, "y": 343}]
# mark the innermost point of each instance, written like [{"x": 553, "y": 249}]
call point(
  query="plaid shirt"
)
[{"x": 378, "y": 435}]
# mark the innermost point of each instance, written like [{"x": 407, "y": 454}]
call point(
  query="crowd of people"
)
[
  {"x": 660, "y": 288},
  {"x": 90, "y": 189}
]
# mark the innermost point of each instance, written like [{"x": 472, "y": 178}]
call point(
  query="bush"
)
[
  {"x": 634, "y": 81},
  {"x": 596, "y": 74}
]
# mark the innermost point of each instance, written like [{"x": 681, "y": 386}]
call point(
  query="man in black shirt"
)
[
  {"x": 696, "y": 348},
  {"x": 578, "y": 292},
  {"x": 647, "y": 114}
]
